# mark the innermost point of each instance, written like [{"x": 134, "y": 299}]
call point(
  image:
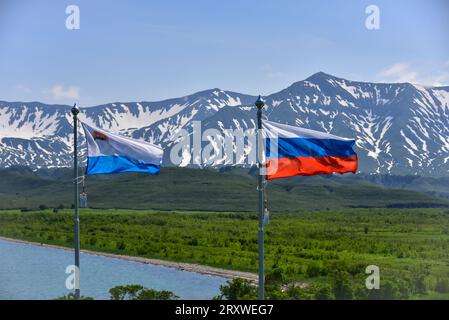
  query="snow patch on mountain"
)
[{"x": 399, "y": 128}]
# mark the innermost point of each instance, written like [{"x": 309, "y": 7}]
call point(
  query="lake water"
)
[{"x": 35, "y": 272}]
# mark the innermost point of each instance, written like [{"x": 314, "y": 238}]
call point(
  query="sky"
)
[{"x": 153, "y": 50}]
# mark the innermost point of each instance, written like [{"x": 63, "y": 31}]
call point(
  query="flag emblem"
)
[{"x": 99, "y": 136}]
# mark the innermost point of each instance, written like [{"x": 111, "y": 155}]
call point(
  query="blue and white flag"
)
[{"x": 112, "y": 153}]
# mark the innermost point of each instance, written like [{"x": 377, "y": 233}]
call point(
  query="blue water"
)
[{"x": 35, "y": 272}]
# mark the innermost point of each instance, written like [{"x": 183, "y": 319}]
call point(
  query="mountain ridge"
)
[{"x": 400, "y": 128}]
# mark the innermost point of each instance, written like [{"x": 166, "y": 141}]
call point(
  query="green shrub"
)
[
  {"x": 442, "y": 285},
  {"x": 238, "y": 289},
  {"x": 93, "y": 241},
  {"x": 341, "y": 285},
  {"x": 120, "y": 245},
  {"x": 277, "y": 275},
  {"x": 138, "y": 292},
  {"x": 313, "y": 270},
  {"x": 71, "y": 296}
]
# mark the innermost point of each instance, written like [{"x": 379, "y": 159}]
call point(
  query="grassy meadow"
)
[{"x": 308, "y": 255}]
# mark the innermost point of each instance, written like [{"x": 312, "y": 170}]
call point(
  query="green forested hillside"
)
[{"x": 205, "y": 190}]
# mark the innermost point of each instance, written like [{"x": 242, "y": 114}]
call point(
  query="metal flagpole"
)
[
  {"x": 75, "y": 112},
  {"x": 259, "y": 146}
]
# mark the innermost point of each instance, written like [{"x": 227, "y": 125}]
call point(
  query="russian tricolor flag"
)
[
  {"x": 297, "y": 151},
  {"x": 111, "y": 153}
]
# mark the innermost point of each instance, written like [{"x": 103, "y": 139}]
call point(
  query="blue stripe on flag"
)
[
  {"x": 306, "y": 147},
  {"x": 118, "y": 164}
]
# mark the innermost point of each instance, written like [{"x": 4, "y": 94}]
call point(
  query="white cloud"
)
[
  {"x": 403, "y": 72},
  {"x": 23, "y": 89},
  {"x": 399, "y": 72},
  {"x": 59, "y": 92},
  {"x": 270, "y": 73},
  {"x": 441, "y": 80}
]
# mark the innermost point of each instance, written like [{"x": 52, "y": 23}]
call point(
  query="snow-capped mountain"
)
[
  {"x": 400, "y": 128},
  {"x": 39, "y": 135}
]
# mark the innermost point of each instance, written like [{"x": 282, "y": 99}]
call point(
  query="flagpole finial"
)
[
  {"x": 259, "y": 103},
  {"x": 75, "y": 110}
]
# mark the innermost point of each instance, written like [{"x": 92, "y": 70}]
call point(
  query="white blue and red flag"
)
[
  {"x": 306, "y": 152},
  {"x": 111, "y": 153}
]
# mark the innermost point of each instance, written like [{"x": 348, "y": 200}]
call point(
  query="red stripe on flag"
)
[{"x": 308, "y": 166}]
